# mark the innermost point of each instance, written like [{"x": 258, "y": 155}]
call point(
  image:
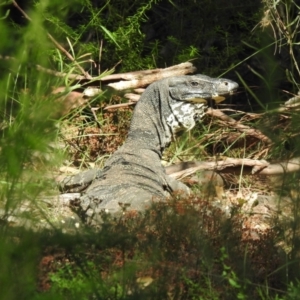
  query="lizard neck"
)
[
  {"x": 158, "y": 117},
  {"x": 149, "y": 128}
]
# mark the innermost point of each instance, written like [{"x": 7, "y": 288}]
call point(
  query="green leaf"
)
[{"x": 110, "y": 35}]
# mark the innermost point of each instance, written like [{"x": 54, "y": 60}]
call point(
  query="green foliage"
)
[
  {"x": 184, "y": 250},
  {"x": 239, "y": 287},
  {"x": 283, "y": 17},
  {"x": 27, "y": 128},
  {"x": 116, "y": 26},
  {"x": 26, "y": 124},
  {"x": 274, "y": 64},
  {"x": 149, "y": 34},
  {"x": 83, "y": 282}
]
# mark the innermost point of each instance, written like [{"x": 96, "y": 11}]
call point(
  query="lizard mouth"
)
[
  {"x": 207, "y": 98},
  {"x": 197, "y": 100},
  {"x": 217, "y": 100},
  {"x": 222, "y": 97}
]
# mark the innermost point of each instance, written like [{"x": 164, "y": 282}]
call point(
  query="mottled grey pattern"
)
[{"x": 134, "y": 176}]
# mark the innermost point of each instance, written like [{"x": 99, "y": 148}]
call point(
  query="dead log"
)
[
  {"x": 185, "y": 169},
  {"x": 140, "y": 79},
  {"x": 236, "y": 166}
]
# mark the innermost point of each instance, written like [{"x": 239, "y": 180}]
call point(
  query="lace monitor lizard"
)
[{"x": 134, "y": 175}]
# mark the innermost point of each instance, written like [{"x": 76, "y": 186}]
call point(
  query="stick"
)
[
  {"x": 61, "y": 48},
  {"x": 182, "y": 170},
  {"x": 262, "y": 167},
  {"x": 226, "y": 120}
]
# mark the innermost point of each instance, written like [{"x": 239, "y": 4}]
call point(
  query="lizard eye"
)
[
  {"x": 194, "y": 83},
  {"x": 226, "y": 83}
]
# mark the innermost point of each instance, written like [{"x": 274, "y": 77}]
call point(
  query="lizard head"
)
[
  {"x": 200, "y": 88},
  {"x": 223, "y": 87},
  {"x": 190, "y": 96}
]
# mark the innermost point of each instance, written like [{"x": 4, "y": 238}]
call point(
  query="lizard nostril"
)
[{"x": 194, "y": 83}]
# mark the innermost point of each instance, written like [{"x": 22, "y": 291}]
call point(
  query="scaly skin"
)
[{"x": 134, "y": 176}]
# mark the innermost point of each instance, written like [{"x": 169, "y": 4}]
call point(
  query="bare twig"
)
[
  {"x": 182, "y": 170},
  {"x": 58, "y": 46},
  {"x": 60, "y": 74},
  {"x": 62, "y": 49},
  {"x": 49, "y": 71},
  {"x": 21, "y": 10},
  {"x": 226, "y": 120},
  {"x": 100, "y": 57},
  {"x": 114, "y": 106}
]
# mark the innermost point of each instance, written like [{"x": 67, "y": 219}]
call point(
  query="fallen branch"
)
[
  {"x": 185, "y": 169},
  {"x": 228, "y": 121},
  {"x": 240, "y": 166},
  {"x": 289, "y": 166},
  {"x": 143, "y": 78}
]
